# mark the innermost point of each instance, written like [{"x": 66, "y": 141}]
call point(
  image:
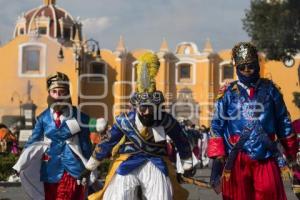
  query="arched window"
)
[
  {"x": 226, "y": 71},
  {"x": 32, "y": 60},
  {"x": 184, "y": 71}
]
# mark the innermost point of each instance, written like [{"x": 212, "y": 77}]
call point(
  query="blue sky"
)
[{"x": 144, "y": 23}]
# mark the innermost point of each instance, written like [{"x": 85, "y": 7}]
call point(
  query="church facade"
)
[{"x": 48, "y": 39}]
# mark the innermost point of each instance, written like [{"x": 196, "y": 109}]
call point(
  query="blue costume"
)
[
  {"x": 238, "y": 108},
  {"x": 136, "y": 150},
  {"x": 59, "y": 157},
  {"x": 250, "y": 119},
  {"x": 147, "y": 148},
  {"x": 137, "y": 143},
  {"x": 58, "y": 147}
]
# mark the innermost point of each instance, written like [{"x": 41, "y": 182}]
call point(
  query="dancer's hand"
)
[{"x": 83, "y": 177}]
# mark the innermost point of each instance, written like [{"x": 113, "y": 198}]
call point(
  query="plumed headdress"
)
[{"x": 147, "y": 69}]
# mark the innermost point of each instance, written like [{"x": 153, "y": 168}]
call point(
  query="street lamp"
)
[
  {"x": 90, "y": 46},
  {"x": 81, "y": 50}
]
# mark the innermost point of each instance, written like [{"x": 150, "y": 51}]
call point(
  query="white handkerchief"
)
[
  {"x": 73, "y": 125},
  {"x": 159, "y": 133}
]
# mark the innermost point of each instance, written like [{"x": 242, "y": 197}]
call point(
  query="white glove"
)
[
  {"x": 92, "y": 163},
  {"x": 101, "y": 124},
  {"x": 187, "y": 164}
]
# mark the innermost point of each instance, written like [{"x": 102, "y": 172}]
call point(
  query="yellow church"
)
[{"x": 48, "y": 39}]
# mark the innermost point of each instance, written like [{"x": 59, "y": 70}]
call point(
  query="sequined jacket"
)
[{"x": 234, "y": 109}]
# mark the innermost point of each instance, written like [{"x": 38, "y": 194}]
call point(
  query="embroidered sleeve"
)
[
  {"x": 104, "y": 148},
  {"x": 283, "y": 124},
  {"x": 216, "y": 145}
]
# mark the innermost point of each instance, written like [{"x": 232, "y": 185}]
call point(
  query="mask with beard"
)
[
  {"x": 60, "y": 104},
  {"x": 147, "y": 120}
]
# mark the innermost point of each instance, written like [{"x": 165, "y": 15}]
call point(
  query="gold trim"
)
[
  {"x": 138, "y": 133},
  {"x": 134, "y": 143}
]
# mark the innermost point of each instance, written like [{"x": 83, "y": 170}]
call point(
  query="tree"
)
[{"x": 274, "y": 27}]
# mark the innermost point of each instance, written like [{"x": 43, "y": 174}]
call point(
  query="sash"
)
[
  {"x": 127, "y": 127},
  {"x": 237, "y": 147}
]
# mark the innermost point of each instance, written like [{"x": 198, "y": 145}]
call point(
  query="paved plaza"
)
[{"x": 15, "y": 192}]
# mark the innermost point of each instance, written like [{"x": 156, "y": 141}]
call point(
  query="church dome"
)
[{"x": 48, "y": 19}]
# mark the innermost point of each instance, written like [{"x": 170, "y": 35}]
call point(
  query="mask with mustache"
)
[{"x": 59, "y": 104}]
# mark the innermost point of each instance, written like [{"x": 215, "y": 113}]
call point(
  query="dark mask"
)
[
  {"x": 147, "y": 120},
  {"x": 249, "y": 81}
]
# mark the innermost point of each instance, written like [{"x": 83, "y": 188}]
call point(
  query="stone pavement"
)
[
  {"x": 208, "y": 194},
  {"x": 15, "y": 192}
]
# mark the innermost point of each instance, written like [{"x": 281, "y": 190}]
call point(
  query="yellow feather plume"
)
[{"x": 147, "y": 69}]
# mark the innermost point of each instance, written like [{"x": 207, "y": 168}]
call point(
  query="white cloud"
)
[
  {"x": 145, "y": 23},
  {"x": 98, "y": 24}
]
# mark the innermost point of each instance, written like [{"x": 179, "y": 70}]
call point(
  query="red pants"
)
[
  {"x": 253, "y": 180},
  {"x": 65, "y": 189}
]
